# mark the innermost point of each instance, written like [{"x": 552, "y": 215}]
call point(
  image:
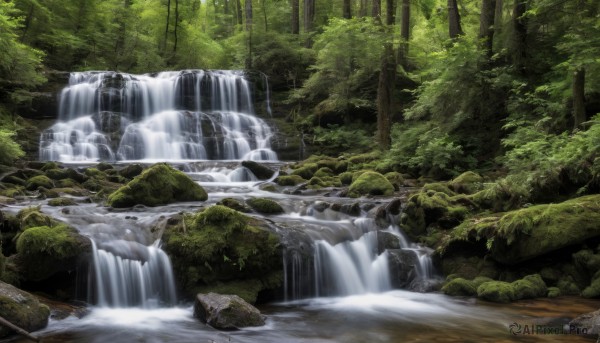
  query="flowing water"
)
[{"x": 343, "y": 260}]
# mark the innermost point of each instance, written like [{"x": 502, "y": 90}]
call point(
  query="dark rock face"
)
[
  {"x": 588, "y": 323},
  {"x": 403, "y": 267},
  {"x": 226, "y": 312},
  {"x": 21, "y": 309},
  {"x": 259, "y": 170}
]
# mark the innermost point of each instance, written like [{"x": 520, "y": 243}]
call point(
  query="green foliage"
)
[
  {"x": 335, "y": 138},
  {"x": 9, "y": 149}
]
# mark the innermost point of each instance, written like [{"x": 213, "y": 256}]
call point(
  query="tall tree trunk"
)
[
  {"x": 238, "y": 7},
  {"x": 385, "y": 87},
  {"x": 27, "y": 21},
  {"x": 167, "y": 26},
  {"x": 454, "y": 27},
  {"x": 295, "y": 17},
  {"x": 376, "y": 10},
  {"x": 486, "y": 25},
  {"x": 498, "y": 19},
  {"x": 176, "y": 25},
  {"x": 264, "y": 12},
  {"x": 578, "y": 97},
  {"x": 362, "y": 11},
  {"x": 519, "y": 39},
  {"x": 404, "y": 34},
  {"x": 309, "y": 17},
  {"x": 347, "y": 9},
  {"x": 249, "y": 33}
]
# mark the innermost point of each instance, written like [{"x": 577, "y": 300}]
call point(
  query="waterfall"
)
[
  {"x": 185, "y": 115},
  {"x": 127, "y": 274}
]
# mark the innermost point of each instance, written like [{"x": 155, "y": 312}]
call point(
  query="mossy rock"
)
[
  {"x": 289, "y": 180},
  {"x": 219, "y": 246},
  {"x": 593, "y": 290},
  {"x": 395, "y": 179},
  {"x": 346, "y": 178},
  {"x": 15, "y": 180},
  {"x": 438, "y": 187},
  {"x": 553, "y": 292},
  {"x": 324, "y": 172},
  {"x": 62, "y": 202},
  {"x": 568, "y": 286},
  {"x": 259, "y": 170},
  {"x": 265, "y": 206},
  {"x": 66, "y": 173},
  {"x": 103, "y": 166},
  {"x": 496, "y": 291},
  {"x": 467, "y": 183},
  {"x": 95, "y": 173},
  {"x": 45, "y": 251},
  {"x": 429, "y": 207},
  {"x": 235, "y": 205},
  {"x": 131, "y": 171},
  {"x": 39, "y": 181},
  {"x": 21, "y": 309},
  {"x": 13, "y": 192},
  {"x": 32, "y": 217},
  {"x": 527, "y": 233},
  {"x": 50, "y": 165},
  {"x": 158, "y": 185},
  {"x": 459, "y": 287},
  {"x": 306, "y": 171},
  {"x": 370, "y": 183},
  {"x": 531, "y": 286}
]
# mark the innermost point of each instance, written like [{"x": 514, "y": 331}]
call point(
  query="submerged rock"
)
[
  {"x": 21, "y": 309},
  {"x": 226, "y": 312},
  {"x": 160, "y": 184}
]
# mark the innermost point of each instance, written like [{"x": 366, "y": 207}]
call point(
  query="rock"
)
[
  {"x": 346, "y": 178},
  {"x": 588, "y": 323},
  {"x": 158, "y": 185},
  {"x": 403, "y": 266},
  {"x": 62, "y": 202},
  {"x": 289, "y": 180},
  {"x": 7, "y": 200},
  {"x": 259, "y": 170},
  {"x": 467, "y": 183},
  {"x": 370, "y": 183},
  {"x": 21, "y": 309},
  {"x": 226, "y": 312},
  {"x": 395, "y": 179},
  {"x": 131, "y": 171},
  {"x": 496, "y": 291},
  {"x": 324, "y": 172},
  {"x": 39, "y": 181},
  {"x": 460, "y": 286},
  {"x": 235, "y": 205},
  {"x": 553, "y": 292},
  {"x": 265, "y": 206},
  {"x": 44, "y": 251},
  {"x": 531, "y": 286},
  {"x": 306, "y": 171}
]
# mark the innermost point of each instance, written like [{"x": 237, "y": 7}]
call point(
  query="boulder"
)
[
  {"x": 265, "y": 206},
  {"x": 588, "y": 323},
  {"x": 259, "y": 170},
  {"x": 21, "y": 309},
  {"x": 370, "y": 183},
  {"x": 160, "y": 184},
  {"x": 496, "y": 291},
  {"x": 131, "y": 171},
  {"x": 226, "y": 312}
]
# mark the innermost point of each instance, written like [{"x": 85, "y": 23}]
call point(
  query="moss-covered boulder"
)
[
  {"x": 289, "y": 180},
  {"x": 496, "y": 291},
  {"x": 235, "y": 205},
  {"x": 158, "y": 185},
  {"x": 346, "y": 178},
  {"x": 265, "y": 206},
  {"x": 395, "y": 179},
  {"x": 467, "y": 183},
  {"x": 39, "y": 181},
  {"x": 131, "y": 171},
  {"x": 220, "y": 246},
  {"x": 44, "y": 251},
  {"x": 324, "y": 172},
  {"x": 527, "y": 233},
  {"x": 459, "y": 286},
  {"x": 531, "y": 286},
  {"x": 306, "y": 171},
  {"x": 62, "y": 202},
  {"x": 260, "y": 171},
  {"x": 553, "y": 292},
  {"x": 370, "y": 183},
  {"x": 21, "y": 309},
  {"x": 32, "y": 217}
]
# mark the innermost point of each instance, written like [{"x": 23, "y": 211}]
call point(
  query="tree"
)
[
  {"x": 385, "y": 87},
  {"x": 347, "y": 9},
  {"x": 519, "y": 36},
  {"x": 454, "y": 26},
  {"x": 249, "y": 33},
  {"x": 295, "y": 17},
  {"x": 404, "y": 34},
  {"x": 578, "y": 97},
  {"x": 486, "y": 25},
  {"x": 309, "y": 17}
]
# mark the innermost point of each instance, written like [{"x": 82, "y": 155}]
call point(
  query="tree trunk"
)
[
  {"x": 498, "y": 17},
  {"x": 519, "y": 39},
  {"x": 404, "y": 34},
  {"x": 376, "y": 10},
  {"x": 295, "y": 17},
  {"x": 176, "y": 25},
  {"x": 454, "y": 20},
  {"x": 167, "y": 26},
  {"x": 238, "y": 7},
  {"x": 347, "y": 9},
  {"x": 27, "y": 22},
  {"x": 486, "y": 25},
  {"x": 249, "y": 31},
  {"x": 309, "y": 17},
  {"x": 264, "y": 11},
  {"x": 362, "y": 11},
  {"x": 390, "y": 14},
  {"x": 385, "y": 87},
  {"x": 578, "y": 97}
]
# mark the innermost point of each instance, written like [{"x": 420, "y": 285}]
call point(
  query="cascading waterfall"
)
[{"x": 186, "y": 115}]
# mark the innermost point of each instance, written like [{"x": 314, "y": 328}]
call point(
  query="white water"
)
[{"x": 187, "y": 115}]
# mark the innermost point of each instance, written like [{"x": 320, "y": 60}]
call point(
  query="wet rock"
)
[
  {"x": 588, "y": 323},
  {"x": 289, "y": 180},
  {"x": 62, "y": 202},
  {"x": 131, "y": 171},
  {"x": 39, "y": 181},
  {"x": 226, "y": 312},
  {"x": 403, "y": 266},
  {"x": 496, "y": 291},
  {"x": 21, "y": 309},
  {"x": 158, "y": 185},
  {"x": 370, "y": 183},
  {"x": 265, "y": 206},
  {"x": 259, "y": 170},
  {"x": 387, "y": 240},
  {"x": 235, "y": 205}
]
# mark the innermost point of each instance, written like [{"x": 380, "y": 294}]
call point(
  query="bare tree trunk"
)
[
  {"x": 498, "y": 18},
  {"x": 176, "y": 25},
  {"x": 385, "y": 87},
  {"x": 249, "y": 31},
  {"x": 578, "y": 97},
  {"x": 402, "y": 58},
  {"x": 309, "y": 17},
  {"x": 362, "y": 11},
  {"x": 264, "y": 11},
  {"x": 238, "y": 7},
  {"x": 167, "y": 26},
  {"x": 295, "y": 17},
  {"x": 454, "y": 27},
  {"x": 376, "y": 10},
  {"x": 347, "y": 9},
  {"x": 486, "y": 25},
  {"x": 519, "y": 39}
]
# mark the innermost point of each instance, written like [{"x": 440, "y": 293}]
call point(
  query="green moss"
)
[
  {"x": 531, "y": 286},
  {"x": 265, "y": 206},
  {"x": 593, "y": 290},
  {"x": 62, "y": 202},
  {"x": 568, "y": 286},
  {"x": 553, "y": 292},
  {"x": 501, "y": 196},
  {"x": 234, "y": 204},
  {"x": 306, "y": 171},
  {"x": 467, "y": 183},
  {"x": 103, "y": 166},
  {"x": 430, "y": 207},
  {"x": 289, "y": 180},
  {"x": 438, "y": 187},
  {"x": 496, "y": 291},
  {"x": 39, "y": 181},
  {"x": 49, "y": 166},
  {"x": 346, "y": 178},
  {"x": 95, "y": 173},
  {"x": 530, "y": 232},
  {"x": 324, "y": 172},
  {"x": 131, "y": 171},
  {"x": 395, "y": 179},
  {"x": 32, "y": 216},
  {"x": 45, "y": 250},
  {"x": 219, "y": 246},
  {"x": 157, "y": 185},
  {"x": 459, "y": 286},
  {"x": 370, "y": 183},
  {"x": 13, "y": 192}
]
